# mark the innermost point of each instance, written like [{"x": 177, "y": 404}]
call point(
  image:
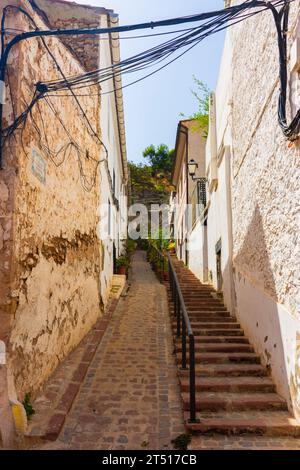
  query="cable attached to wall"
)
[
  {"x": 215, "y": 21},
  {"x": 281, "y": 19},
  {"x": 40, "y": 94}
]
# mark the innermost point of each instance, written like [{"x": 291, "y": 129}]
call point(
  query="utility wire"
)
[
  {"x": 20, "y": 122},
  {"x": 187, "y": 39}
]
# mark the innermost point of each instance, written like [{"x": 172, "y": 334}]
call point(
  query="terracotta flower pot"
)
[{"x": 122, "y": 270}]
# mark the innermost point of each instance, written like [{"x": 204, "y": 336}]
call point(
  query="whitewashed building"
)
[
  {"x": 187, "y": 200},
  {"x": 114, "y": 172},
  {"x": 252, "y": 211}
]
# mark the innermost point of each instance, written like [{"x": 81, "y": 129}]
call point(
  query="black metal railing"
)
[
  {"x": 158, "y": 262},
  {"x": 184, "y": 331}
]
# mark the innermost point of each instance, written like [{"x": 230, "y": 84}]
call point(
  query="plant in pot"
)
[
  {"x": 122, "y": 265},
  {"x": 172, "y": 246}
]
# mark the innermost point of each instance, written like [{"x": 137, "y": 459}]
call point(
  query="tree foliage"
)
[
  {"x": 160, "y": 158},
  {"x": 149, "y": 185}
]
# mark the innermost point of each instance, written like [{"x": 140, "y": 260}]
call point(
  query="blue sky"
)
[{"x": 153, "y": 107}]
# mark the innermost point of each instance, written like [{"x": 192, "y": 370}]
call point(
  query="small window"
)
[{"x": 202, "y": 193}]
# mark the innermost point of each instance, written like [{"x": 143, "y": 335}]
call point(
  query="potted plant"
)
[
  {"x": 172, "y": 246},
  {"x": 122, "y": 265}
]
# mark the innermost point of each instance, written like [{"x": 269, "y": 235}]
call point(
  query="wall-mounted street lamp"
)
[
  {"x": 201, "y": 182},
  {"x": 192, "y": 168}
]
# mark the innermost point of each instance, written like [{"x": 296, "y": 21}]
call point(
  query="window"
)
[{"x": 202, "y": 193}]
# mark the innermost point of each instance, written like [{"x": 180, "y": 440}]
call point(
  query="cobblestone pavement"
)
[
  {"x": 244, "y": 443},
  {"x": 130, "y": 397}
]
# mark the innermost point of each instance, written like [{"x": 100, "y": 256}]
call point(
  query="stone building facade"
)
[
  {"x": 252, "y": 214},
  {"x": 51, "y": 257}
]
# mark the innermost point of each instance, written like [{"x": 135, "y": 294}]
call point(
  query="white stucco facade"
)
[
  {"x": 253, "y": 199},
  {"x": 113, "y": 223}
]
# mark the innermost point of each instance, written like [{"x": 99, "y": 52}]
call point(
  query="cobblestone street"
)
[{"x": 130, "y": 396}]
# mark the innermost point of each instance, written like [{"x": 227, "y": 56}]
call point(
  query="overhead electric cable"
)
[{"x": 212, "y": 22}]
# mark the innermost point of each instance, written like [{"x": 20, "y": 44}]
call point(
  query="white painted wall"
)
[
  {"x": 219, "y": 221},
  {"x": 257, "y": 187},
  {"x": 110, "y": 137},
  {"x": 219, "y": 228},
  {"x": 274, "y": 332},
  {"x": 198, "y": 258}
]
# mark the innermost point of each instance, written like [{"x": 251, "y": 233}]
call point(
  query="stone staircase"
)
[{"x": 234, "y": 394}]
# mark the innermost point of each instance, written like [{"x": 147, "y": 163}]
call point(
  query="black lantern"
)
[{"x": 192, "y": 168}]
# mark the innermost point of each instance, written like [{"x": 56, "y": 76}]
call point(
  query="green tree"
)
[
  {"x": 160, "y": 158},
  {"x": 146, "y": 184}
]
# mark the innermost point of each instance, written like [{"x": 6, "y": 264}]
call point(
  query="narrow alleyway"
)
[{"x": 130, "y": 397}]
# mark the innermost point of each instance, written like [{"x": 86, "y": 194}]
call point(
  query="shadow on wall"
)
[{"x": 269, "y": 326}]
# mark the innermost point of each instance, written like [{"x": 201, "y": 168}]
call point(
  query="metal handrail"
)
[
  {"x": 161, "y": 260},
  {"x": 184, "y": 328}
]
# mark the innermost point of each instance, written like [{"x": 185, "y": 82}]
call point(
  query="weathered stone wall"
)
[
  {"x": 265, "y": 170},
  {"x": 61, "y": 15},
  {"x": 50, "y": 256},
  {"x": 265, "y": 201}
]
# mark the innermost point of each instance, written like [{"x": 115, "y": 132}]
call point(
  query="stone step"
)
[
  {"x": 213, "y": 319},
  {"x": 193, "y": 310},
  {"x": 218, "y": 347},
  {"x": 186, "y": 282},
  {"x": 222, "y": 358},
  {"x": 210, "y": 331},
  {"x": 196, "y": 286},
  {"x": 218, "y": 332},
  {"x": 206, "y": 401},
  {"x": 206, "y": 306},
  {"x": 196, "y": 293},
  {"x": 201, "y": 303},
  {"x": 230, "y": 384},
  {"x": 191, "y": 299},
  {"x": 198, "y": 298},
  {"x": 223, "y": 314},
  {"x": 269, "y": 423},
  {"x": 222, "y": 339},
  {"x": 195, "y": 323},
  {"x": 227, "y": 370},
  {"x": 233, "y": 391},
  {"x": 222, "y": 325}
]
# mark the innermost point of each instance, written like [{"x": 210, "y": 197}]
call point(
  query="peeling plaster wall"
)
[
  {"x": 265, "y": 204},
  {"x": 60, "y": 15},
  {"x": 51, "y": 259}
]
